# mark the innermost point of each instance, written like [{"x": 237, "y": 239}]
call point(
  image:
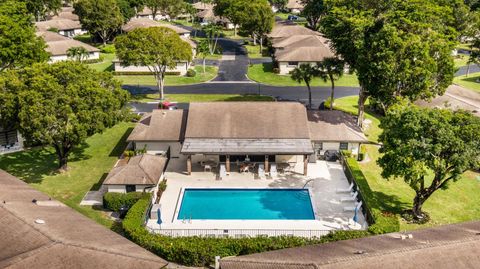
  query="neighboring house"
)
[
  {"x": 10, "y": 140},
  {"x": 140, "y": 174},
  {"x": 448, "y": 246},
  {"x": 287, "y": 29},
  {"x": 295, "y": 6},
  {"x": 160, "y": 132},
  {"x": 58, "y": 45},
  {"x": 228, "y": 132},
  {"x": 64, "y": 13},
  {"x": 136, "y": 23},
  {"x": 147, "y": 13},
  {"x": 294, "y": 50},
  {"x": 40, "y": 232},
  {"x": 65, "y": 27},
  {"x": 334, "y": 130}
]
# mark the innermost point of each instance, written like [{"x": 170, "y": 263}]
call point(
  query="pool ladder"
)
[{"x": 189, "y": 221}]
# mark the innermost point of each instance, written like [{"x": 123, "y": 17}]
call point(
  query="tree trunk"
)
[
  {"x": 204, "y": 65},
  {"x": 160, "y": 82},
  {"x": 254, "y": 39},
  {"x": 362, "y": 97},
  {"x": 62, "y": 154},
  {"x": 309, "y": 96},
  {"x": 332, "y": 93},
  {"x": 261, "y": 46},
  {"x": 235, "y": 30},
  {"x": 420, "y": 198}
]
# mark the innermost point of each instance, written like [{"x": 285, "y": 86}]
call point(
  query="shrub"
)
[
  {"x": 94, "y": 61},
  {"x": 191, "y": 73},
  {"x": 361, "y": 153},
  {"x": 168, "y": 73},
  {"x": 53, "y": 29},
  {"x": 201, "y": 251},
  {"x": 110, "y": 49},
  {"x": 276, "y": 70},
  {"x": 114, "y": 201}
]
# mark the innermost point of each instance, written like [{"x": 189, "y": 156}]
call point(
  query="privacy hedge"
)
[
  {"x": 114, "y": 201},
  {"x": 201, "y": 251},
  {"x": 383, "y": 221},
  {"x": 140, "y": 73}
]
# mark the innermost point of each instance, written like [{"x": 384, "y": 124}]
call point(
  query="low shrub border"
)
[
  {"x": 139, "y": 73},
  {"x": 201, "y": 251},
  {"x": 113, "y": 200},
  {"x": 380, "y": 222}
]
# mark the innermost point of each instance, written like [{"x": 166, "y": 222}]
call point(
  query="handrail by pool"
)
[{"x": 238, "y": 233}]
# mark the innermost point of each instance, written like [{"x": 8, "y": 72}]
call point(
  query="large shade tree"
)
[
  {"x": 236, "y": 11},
  {"x": 167, "y": 7},
  {"x": 397, "y": 48},
  {"x": 313, "y": 10},
  {"x": 99, "y": 17},
  {"x": 260, "y": 20},
  {"x": 41, "y": 8},
  {"x": 18, "y": 42},
  {"x": 61, "y": 104},
  {"x": 428, "y": 148},
  {"x": 158, "y": 48}
]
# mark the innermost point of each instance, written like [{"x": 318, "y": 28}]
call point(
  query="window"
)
[
  {"x": 343, "y": 146},
  {"x": 293, "y": 63},
  {"x": 130, "y": 188}
]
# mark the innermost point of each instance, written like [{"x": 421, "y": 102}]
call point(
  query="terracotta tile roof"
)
[
  {"x": 449, "y": 246},
  {"x": 60, "y": 24},
  {"x": 67, "y": 239},
  {"x": 242, "y": 120},
  {"x": 334, "y": 126},
  {"x": 160, "y": 125},
  {"x": 136, "y": 23},
  {"x": 140, "y": 170}
]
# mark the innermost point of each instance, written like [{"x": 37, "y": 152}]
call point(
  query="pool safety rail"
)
[{"x": 238, "y": 233}]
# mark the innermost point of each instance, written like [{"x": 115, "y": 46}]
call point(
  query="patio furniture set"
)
[{"x": 250, "y": 167}]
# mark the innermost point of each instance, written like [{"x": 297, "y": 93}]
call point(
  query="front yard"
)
[
  {"x": 188, "y": 98},
  {"x": 254, "y": 51},
  {"x": 456, "y": 204},
  {"x": 472, "y": 82},
  {"x": 263, "y": 73},
  {"x": 88, "y": 167}
]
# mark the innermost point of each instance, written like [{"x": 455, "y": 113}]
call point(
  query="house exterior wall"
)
[
  {"x": 352, "y": 147},
  {"x": 196, "y": 158},
  {"x": 160, "y": 147},
  {"x": 122, "y": 188},
  {"x": 58, "y": 58},
  {"x": 72, "y": 32},
  {"x": 181, "y": 67},
  {"x": 285, "y": 68}
]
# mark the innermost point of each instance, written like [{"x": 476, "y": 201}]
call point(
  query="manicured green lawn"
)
[
  {"x": 211, "y": 73},
  {"x": 188, "y": 98},
  {"x": 460, "y": 60},
  {"x": 254, "y": 51},
  {"x": 471, "y": 82},
  {"x": 456, "y": 204},
  {"x": 106, "y": 64},
  {"x": 262, "y": 73},
  {"x": 88, "y": 166}
]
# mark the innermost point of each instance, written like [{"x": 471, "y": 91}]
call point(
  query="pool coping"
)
[{"x": 182, "y": 191}]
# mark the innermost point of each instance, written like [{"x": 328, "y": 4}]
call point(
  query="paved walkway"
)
[{"x": 94, "y": 197}]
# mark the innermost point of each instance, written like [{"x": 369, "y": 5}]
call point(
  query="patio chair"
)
[
  {"x": 350, "y": 199},
  {"x": 223, "y": 171},
  {"x": 261, "y": 171},
  {"x": 273, "y": 170},
  {"x": 207, "y": 167},
  {"x": 353, "y": 208},
  {"x": 350, "y": 188},
  {"x": 251, "y": 168}
]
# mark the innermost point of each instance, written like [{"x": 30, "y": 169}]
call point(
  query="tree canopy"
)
[
  {"x": 236, "y": 11},
  {"x": 313, "y": 10},
  {"x": 305, "y": 73},
  {"x": 260, "y": 20},
  {"x": 41, "y": 8},
  {"x": 18, "y": 42},
  {"x": 428, "y": 148},
  {"x": 99, "y": 17},
  {"x": 60, "y": 104},
  {"x": 170, "y": 7},
  {"x": 158, "y": 48}
]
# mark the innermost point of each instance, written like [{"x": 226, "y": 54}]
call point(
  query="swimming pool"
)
[{"x": 246, "y": 204}]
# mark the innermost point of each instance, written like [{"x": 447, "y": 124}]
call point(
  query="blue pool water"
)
[{"x": 246, "y": 204}]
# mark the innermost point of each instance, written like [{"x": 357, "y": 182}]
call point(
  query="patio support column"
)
[
  {"x": 305, "y": 164},
  {"x": 227, "y": 163},
  {"x": 266, "y": 164},
  {"x": 189, "y": 164}
]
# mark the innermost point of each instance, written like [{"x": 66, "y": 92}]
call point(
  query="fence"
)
[{"x": 238, "y": 233}]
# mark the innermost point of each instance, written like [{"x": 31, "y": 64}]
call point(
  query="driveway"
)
[{"x": 234, "y": 63}]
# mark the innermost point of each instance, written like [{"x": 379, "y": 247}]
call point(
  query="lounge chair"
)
[
  {"x": 273, "y": 170},
  {"x": 223, "y": 171},
  {"x": 350, "y": 188},
  {"x": 353, "y": 208},
  {"x": 350, "y": 199},
  {"x": 261, "y": 171}
]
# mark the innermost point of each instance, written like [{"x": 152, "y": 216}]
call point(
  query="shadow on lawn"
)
[
  {"x": 121, "y": 144},
  {"x": 388, "y": 203}
]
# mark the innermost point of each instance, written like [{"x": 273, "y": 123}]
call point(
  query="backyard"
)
[
  {"x": 88, "y": 166},
  {"x": 456, "y": 204},
  {"x": 263, "y": 73}
]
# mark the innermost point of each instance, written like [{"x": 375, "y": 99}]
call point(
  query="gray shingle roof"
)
[
  {"x": 160, "y": 125},
  {"x": 140, "y": 170},
  {"x": 334, "y": 126},
  {"x": 247, "y": 146},
  {"x": 136, "y": 23},
  {"x": 60, "y": 24}
]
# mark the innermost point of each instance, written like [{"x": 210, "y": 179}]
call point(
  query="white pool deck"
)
[{"x": 325, "y": 178}]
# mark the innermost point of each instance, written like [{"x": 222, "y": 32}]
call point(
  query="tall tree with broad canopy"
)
[
  {"x": 99, "y": 17},
  {"x": 158, "y": 48},
  {"x": 313, "y": 10},
  {"x": 19, "y": 45},
  {"x": 397, "y": 48},
  {"x": 278, "y": 4},
  {"x": 236, "y": 11},
  {"x": 428, "y": 148},
  {"x": 61, "y": 104},
  {"x": 260, "y": 21},
  {"x": 41, "y": 8},
  {"x": 168, "y": 7},
  {"x": 331, "y": 69},
  {"x": 305, "y": 73}
]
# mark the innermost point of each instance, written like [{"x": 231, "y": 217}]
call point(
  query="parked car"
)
[
  {"x": 168, "y": 105},
  {"x": 331, "y": 155},
  {"x": 292, "y": 18}
]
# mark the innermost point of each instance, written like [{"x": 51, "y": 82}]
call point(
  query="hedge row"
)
[
  {"x": 384, "y": 222},
  {"x": 113, "y": 200},
  {"x": 201, "y": 251},
  {"x": 140, "y": 73}
]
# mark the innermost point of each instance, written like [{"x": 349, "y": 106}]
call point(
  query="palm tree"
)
[
  {"x": 331, "y": 69},
  {"x": 203, "y": 49},
  {"x": 212, "y": 32},
  {"x": 78, "y": 53},
  {"x": 305, "y": 73}
]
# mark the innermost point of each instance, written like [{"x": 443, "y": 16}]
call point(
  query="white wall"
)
[
  {"x": 285, "y": 69},
  {"x": 58, "y": 58},
  {"x": 122, "y": 189},
  {"x": 353, "y": 147},
  {"x": 181, "y": 67},
  {"x": 72, "y": 32},
  {"x": 160, "y": 147}
]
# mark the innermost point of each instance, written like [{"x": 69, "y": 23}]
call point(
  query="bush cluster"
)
[
  {"x": 383, "y": 222},
  {"x": 114, "y": 201},
  {"x": 168, "y": 73},
  {"x": 191, "y": 73},
  {"x": 110, "y": 49},
  {"x": 201, "y": 251}
]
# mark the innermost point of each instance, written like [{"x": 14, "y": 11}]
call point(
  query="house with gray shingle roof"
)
[{"x": 58, "y": 46}]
